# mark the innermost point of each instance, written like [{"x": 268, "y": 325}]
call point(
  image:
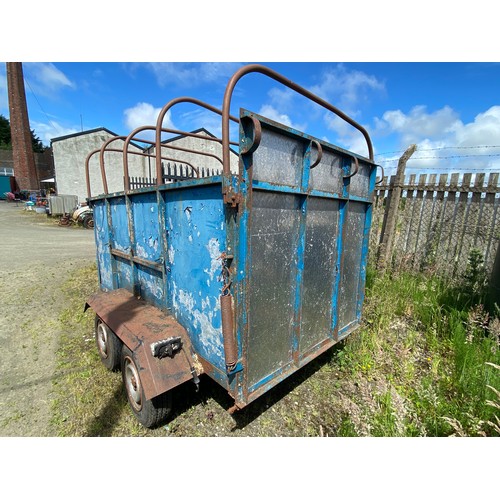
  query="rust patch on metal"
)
[
  {"x": 230, "y": 347},
  {"x": 139, "y": 325}
]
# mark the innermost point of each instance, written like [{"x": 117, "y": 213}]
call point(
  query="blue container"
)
[{"x": 257, "y": 289}]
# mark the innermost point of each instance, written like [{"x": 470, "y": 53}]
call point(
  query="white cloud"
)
[
  {"x": 440, "y": 136},
  {"x": 48, "y": 131},
  {"x": 45, "y": 79},
  {"x": 348, "y": 90},
  {"x": 145, "y": 114},
  {"x": 273, "y": 114},
  {"x": 419, "y": 124},
  {"x": 483, "y": 131}
]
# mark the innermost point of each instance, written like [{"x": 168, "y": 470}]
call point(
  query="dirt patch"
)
[{"x": 36, "y": 257}]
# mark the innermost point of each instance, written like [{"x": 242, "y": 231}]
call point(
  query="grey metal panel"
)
[
  {"x": 320, "y": 257},
  {"x": 327, "y": 175},
  {"x": 351, "y": 270},
  {"x": 360, "y": 183},
  {"x": 274, "y": 239},
  {"x": 56, "y": 205},
  {"x": 70, "y": 202},
  {"x": 278, "y": 159},
  {"x": 63, "y": 204}
]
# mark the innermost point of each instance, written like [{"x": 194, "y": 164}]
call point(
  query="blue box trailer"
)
[{"x": 243, "y": 278}]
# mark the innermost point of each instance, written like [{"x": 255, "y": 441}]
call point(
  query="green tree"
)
[
  {"x": 4, "y": 133},
  {"x": 5, "y": 137},
  {"x": 38, "y": 147}
]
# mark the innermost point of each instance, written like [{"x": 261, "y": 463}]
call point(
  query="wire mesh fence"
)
[{"x": 440, "y": 221}]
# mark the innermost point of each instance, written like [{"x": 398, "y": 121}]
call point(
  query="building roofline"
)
[
  {"x": 92, "y": 131},
  {"x": 179, "y": 136},
  {"x": 104, "y": 129},
  {"x": 85, "y": 132}
]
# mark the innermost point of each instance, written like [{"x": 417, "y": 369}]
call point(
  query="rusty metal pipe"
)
[
  {"x": 147, "y": 155},
  {"x": 169, "y": 105},
  {"x": 127, "y": 140},
  {"x": 87, "y": 172},
  {"x": 101, "y": 159},
  {"x": 257, "y": 68},
  {"x": 230, "y": 347},
  {"x": 101, "y": 162},
  {"x": 126, "y": 144},
  {"x": 158, "y": 160}
]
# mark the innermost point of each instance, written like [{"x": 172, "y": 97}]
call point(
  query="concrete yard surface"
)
[{"x": 36, "y": 257}]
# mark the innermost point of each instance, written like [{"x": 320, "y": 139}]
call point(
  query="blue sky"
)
[
  {"x": 450, "y": 110},
  {"x": 444, "y": 96}
]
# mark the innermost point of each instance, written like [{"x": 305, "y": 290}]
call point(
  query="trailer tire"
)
[
  {"x": 109, "y": 346},
  {"x": 88, "y": 221},
  {"x": 150, "y": 413}
]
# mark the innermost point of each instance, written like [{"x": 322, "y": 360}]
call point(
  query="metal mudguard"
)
[{"x": 140, "y": 325}]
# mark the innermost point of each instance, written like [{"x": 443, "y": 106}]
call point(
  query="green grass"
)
[
  {"x": 422, "y": 364},
  {"x": 432, "y": 352}
]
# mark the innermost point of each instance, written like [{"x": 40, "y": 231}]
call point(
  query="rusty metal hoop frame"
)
[
  {"x": 113, "y": 150},
  {"x": 157, "y": 142},
  {"x": 159, "y": 180},
  {"x": 125, "y": 151},
  {"x": 104, "y": 149},
  {"x": 257, "y": 68},
  {"x": 168, "y": 106}
]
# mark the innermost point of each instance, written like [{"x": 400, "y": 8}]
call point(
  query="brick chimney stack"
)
[{"x": 22, "y": 148}]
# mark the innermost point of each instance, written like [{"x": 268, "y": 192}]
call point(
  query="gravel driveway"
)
[{"x": 36, "y": 257}]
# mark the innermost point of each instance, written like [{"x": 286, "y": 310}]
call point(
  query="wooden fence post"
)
[{"x": 391, "y": 210}]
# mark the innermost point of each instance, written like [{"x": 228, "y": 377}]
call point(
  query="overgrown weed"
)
[
  {"x": 422, "y": 364},
  {"x": 433, "y": 349}
]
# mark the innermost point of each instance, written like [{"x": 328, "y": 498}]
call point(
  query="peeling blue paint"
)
[
  {"x": 298, "y": 243},
  {"x": 196, "y": 240}
]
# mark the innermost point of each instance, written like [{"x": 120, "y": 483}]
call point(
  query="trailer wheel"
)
[
  {"x": 109, "y": 346},
  {"x": 88, "y": 221},
  {"x": 150, "y": 413}
]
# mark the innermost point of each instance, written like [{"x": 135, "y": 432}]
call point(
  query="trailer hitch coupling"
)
[{"x": 167, "y": 347}]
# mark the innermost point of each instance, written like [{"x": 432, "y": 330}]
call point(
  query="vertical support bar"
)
[
  {"x": 131, "y": 232},
  {"x": 301, "y": 248},
  {"x": 343, "y": 215},
  {"x": 163, "y": 236},
  {"x": 241, "y": 219},
  {"x": 114, "y": 272},
  {"x": 365, "y": 246},
  {"x": 338, "y": 268}
]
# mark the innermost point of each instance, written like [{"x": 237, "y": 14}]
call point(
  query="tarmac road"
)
[{"x": 36, "y": 258}]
